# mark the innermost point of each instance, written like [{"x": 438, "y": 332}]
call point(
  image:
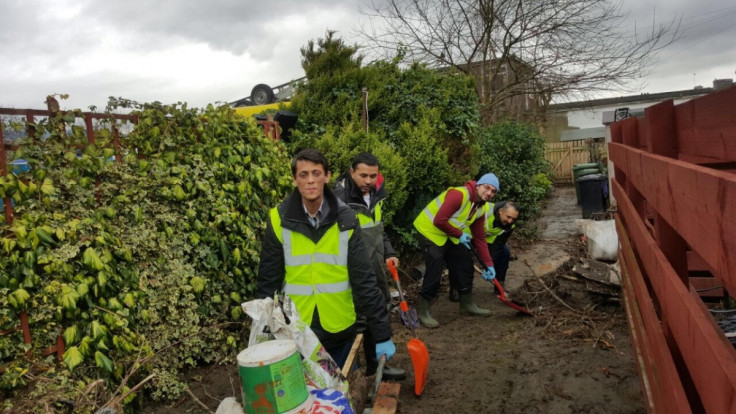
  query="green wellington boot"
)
[
  {"x": 468, "y": 305},
  {"x": 425, "y": 318}
]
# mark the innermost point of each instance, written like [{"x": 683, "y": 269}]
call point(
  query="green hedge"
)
[{"x": 145, "y": 271}]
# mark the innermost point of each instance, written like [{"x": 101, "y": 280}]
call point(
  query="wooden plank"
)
[
  {"x": 661, "y": 138},
  {"x": 707, "y": 127},
  {"x": 710, "y": 287},
  {"x": 709, "y": 357},
  {"x": 667, "y": 389},
  {"x": 353, "y": 353},
  {"x": 697, "y": 202},
  {"x": 637, "y": 333},
  {"x": 696, "y": 263},
  {"x": 387, "y": 398},
  {"x": 662, "y": 135}
]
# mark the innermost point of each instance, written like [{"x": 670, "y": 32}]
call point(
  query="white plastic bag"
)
[
  {"x": 602, "y": 239},
  {"x": 279, "y": 319}
]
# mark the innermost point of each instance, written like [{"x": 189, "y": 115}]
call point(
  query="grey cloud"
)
[{"x": 235, "y": 26}]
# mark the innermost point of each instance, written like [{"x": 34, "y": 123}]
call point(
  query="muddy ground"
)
[{"x": 573, "y": 356}]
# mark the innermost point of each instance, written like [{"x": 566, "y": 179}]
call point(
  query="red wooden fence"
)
[{"x": 675, "y": 184}]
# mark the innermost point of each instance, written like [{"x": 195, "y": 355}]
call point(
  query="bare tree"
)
[{"x": 520, "y": 49}]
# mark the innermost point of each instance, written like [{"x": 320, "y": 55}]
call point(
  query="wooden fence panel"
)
[
  {"x": 563, "y": 155},
  {"x": 699, "y": 203},
  {"x": 675, "y": 217},
  {"x": 709, "y": 357},
  {"x": 657, "y": 367},
  {"x": 707, "y": 128}
]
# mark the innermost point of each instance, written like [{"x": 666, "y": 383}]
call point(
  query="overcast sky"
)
[{"x": 203, "y": 52}]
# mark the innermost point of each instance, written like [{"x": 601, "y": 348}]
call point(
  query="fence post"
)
[{"x": 661, "y": 139}]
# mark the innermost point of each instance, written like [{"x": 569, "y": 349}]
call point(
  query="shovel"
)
[
  {"x": 519, "y": 307},
  {"x": 417, "y": 349}
]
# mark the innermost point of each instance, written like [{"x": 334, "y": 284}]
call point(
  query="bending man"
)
[{"x": 441, "y": 226}]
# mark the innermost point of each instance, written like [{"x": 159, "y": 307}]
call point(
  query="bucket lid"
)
[{"x": 267, "y": 352}]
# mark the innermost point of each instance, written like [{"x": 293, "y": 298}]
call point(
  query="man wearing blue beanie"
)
[{"x": 442, "y": 227}]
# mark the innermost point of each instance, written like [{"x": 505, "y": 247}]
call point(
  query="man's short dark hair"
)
[
  {"x": 365, "y": 158},
  {"x": 311, "y": 155},
  {"x": 511, "y": 204}
]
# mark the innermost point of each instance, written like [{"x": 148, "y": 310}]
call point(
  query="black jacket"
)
[
  {"x": 271, "y": 271},
  {"x": 347, "y": 191}
]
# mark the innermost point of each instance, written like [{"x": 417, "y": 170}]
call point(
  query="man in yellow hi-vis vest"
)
[
  {"x": 443, "y": 240},
  {"x": 362, "y": 190},
  {"x": 500, "y": 224},
  {"x": 313, "y": 251}
]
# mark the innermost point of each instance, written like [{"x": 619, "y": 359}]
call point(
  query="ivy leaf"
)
[
  {"x": 70, "y": 334},
  {"x": 197, "y": 283},
  {"x": 47, "y": 187},
  {"x": 103, "y": 361},
  {"x": 82, "y": 289},
  {"x": 129, "y": 300},
  {"x": 92, "y": 259},
  {"x": 18, "y": 298},
  {"x": 72, "y": 357},
  {"x": 68, "y": 298},
  {"x": 97, "y": 330}
]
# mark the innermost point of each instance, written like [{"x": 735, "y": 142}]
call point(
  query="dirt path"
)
[{"x": 559, "y": 361}]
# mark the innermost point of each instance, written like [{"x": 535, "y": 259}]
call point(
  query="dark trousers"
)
[
  {"x": 501, "y": 256},
  {"x": 459, "y": 264},
  {"x": 339, "y": 353}
]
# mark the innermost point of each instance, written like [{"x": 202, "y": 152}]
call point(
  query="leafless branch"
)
[{"x": 569, "y": 48}]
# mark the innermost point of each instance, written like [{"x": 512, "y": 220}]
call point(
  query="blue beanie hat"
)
[{"x": 491, "y": 179}]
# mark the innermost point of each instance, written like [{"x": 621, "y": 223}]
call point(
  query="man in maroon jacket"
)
[{"x": 443, "y": 240}]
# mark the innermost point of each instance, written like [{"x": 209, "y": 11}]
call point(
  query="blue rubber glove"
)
[
  {"x": 465, "y": 240},
  {"x": 385, "y": 348},
  {"x": 489, "y": 274}
]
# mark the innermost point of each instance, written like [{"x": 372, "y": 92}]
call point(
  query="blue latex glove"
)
[
  {"x": 465, "y": 240},
  {"x": 385, "y": 348},
  {"x": 489, "y": 274}
]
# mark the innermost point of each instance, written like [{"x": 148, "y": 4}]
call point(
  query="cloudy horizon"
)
[{"x": 201, "y": 53}]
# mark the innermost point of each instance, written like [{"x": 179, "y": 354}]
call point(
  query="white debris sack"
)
[
  {"x": 280, "y": 320},
  {"x": 602, "y": 239},
  {"x": 229, "y": 406}
]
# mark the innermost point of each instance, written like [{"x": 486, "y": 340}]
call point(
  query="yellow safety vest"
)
[
  {"x": 424, "y": 223},
  {"x": 317, "y": 275},
  {"x": 366, "y": 221},
  {"x": 491, "y": 232}
]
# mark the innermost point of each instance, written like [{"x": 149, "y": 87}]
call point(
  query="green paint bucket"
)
[{"x": 273, "y": 378}]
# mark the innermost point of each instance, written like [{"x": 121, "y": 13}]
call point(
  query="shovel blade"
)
[{"x": 420, "y": 360}]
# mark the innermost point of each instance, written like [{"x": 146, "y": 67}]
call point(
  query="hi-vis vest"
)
[
  {"x": 366, "y": 221},
  {"x": 424, "y": 222},
  {"x": 491, "y": 232},
  {"x": 317, "y": 275}
]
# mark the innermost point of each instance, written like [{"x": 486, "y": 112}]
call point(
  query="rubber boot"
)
[
  {"x": 468, "y": 305},
  {"x": 425, "y": 318}
]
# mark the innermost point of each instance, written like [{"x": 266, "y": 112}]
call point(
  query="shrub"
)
[
  {"x": 514, "y": 151},
  {"x": 137, "y": 262}
]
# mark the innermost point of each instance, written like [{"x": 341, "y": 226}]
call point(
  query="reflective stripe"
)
[
  {"x": 369, "y": 224},
  {"x": 340, "y": 259},
  {"x": 453, "y": 219},
  {"x": 336, "y": 287},
  {"x": 307, "y": 290}
]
